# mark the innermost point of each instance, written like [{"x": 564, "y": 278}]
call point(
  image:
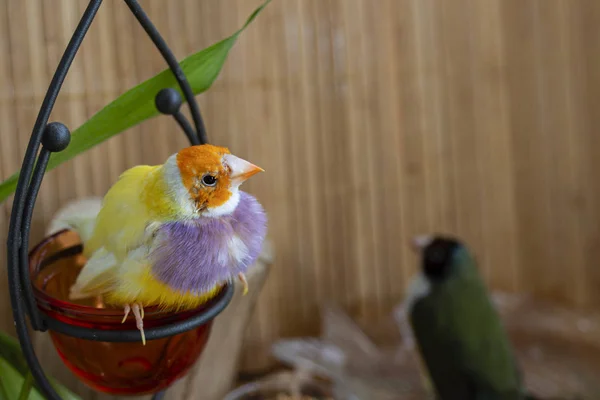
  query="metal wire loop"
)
[{"x": 55, "y": 137}]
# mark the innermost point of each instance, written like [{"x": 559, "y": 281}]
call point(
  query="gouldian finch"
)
[
  {"x": 459, "y": 334},
  {"x": 171, "y": 235}
]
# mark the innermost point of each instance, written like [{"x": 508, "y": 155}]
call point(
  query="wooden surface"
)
[{"x": 374, "y": 121}]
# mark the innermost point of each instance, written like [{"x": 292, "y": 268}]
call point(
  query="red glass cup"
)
[{"x": 119, "y": 368}]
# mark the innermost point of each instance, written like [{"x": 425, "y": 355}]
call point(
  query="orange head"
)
[{"x": 205, "y": 179}]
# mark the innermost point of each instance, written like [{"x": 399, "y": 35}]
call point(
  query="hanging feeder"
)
[{"x": 91, "y": 340}]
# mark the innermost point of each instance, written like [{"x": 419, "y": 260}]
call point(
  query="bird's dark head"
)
[{"x": 438, "y": 255}]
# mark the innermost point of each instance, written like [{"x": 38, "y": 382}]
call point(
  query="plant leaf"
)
[
  {"x": 137, "y": 104},
  {"x": 26, "y": 387},
  {"x": 10, "y": 352},
  {"x": 12, "y": 382},
  {"x": 3, "y": 389},
  {"x": 62, "y": 391}
]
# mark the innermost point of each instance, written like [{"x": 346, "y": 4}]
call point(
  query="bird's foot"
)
[
  {"x": 138, "y": 312},
  {"x": 127, "y": 309},
  {"x": 242, "y": 279}
]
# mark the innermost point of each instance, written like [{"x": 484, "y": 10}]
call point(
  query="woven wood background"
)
[{"x": 375, "y": 120}]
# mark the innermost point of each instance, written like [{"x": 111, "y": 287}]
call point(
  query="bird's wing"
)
[
  {"x": 78, "y": 215},
  {"x": 120, "y": 227},
  {"x": 493, "y": 373},
  {"x": 487, "y": 393},
  {"x": 98, "y": 276},
  {"x": 438, "y": 349},
  {"x": 485, "y": 349},
  {"x": 122, "y": 221}
]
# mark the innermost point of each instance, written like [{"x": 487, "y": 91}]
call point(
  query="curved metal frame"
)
[{"x": 55, "y": 137}]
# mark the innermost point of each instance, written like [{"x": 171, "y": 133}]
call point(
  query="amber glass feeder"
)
[{"x": 119, "y": 368}]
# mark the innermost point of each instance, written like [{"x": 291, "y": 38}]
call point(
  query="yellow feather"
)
[
  {"x": 137, "y": 200},
  {"x": 123, "y": 211},
  {"x": 137, "y": 285},
  {"x": 98, "y": 276}
]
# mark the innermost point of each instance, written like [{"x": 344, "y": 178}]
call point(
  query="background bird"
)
[
  {"x": 458, "y": 332},
  {"x": 171, "y": 235}
]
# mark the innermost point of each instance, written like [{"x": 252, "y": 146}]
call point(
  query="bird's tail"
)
[{"x": 78, "y": 215}]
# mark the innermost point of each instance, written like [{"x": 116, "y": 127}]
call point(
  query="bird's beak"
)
[
  {"x": 418, "y": 243},
  {"x": 240, "y": 169}
]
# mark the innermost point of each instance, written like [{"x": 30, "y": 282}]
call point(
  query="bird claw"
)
[
  {"x": 127, "y": 309},
  {"x": 138, "y": 312},
  {"x": 242, "y": 279},
  {"x": 139, "y": 315}
]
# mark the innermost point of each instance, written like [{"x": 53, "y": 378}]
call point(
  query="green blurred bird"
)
[{"x": 458, "y": 332}]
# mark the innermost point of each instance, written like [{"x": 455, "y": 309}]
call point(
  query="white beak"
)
[
  {"x": 239, "y": 169},
  {"x": 420, "y": 242}
]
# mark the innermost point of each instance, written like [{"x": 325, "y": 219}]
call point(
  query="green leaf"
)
[
  {"x": 26, "y": 387},
  {"x": 3, "y": 389},
  {"x": 63, "y": 392},
  {"x": 137, "y": 104},
  {"x": 12, "y": 382},
  {"x": 10, "y": 352}
]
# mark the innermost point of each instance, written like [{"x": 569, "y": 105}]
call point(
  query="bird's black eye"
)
[{"x": 209, "y": 180}]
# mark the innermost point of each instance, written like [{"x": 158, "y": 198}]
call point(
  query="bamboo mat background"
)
[{"x": 375, "y": 120}]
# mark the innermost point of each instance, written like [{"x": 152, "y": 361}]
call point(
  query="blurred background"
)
[{"x": 375, "y": 121}]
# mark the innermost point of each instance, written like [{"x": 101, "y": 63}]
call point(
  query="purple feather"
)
[{"x": 195, "y": 255}]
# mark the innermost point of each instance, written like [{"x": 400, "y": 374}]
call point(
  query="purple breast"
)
[{"x": 194, "y": 256}]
